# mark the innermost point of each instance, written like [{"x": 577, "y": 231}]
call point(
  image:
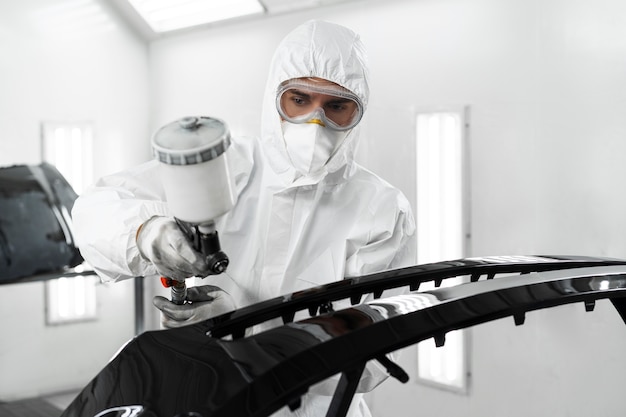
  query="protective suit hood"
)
[{"x": 314, "y": 49}]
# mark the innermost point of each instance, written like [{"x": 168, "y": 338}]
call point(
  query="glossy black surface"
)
[
  {"x": 35, "y": 232},
  {"x": 321, "y": 298},
  {"x": 184, "y": 372}
]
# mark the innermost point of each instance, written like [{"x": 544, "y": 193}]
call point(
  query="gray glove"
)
[
  {"x": 161, "y": 242},
  {"x": 206, "y": 301}
]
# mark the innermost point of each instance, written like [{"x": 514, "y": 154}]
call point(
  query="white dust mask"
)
[{"x": 310, "y": 145}]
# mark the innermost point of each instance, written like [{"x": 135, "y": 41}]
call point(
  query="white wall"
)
[
  {"x": 52, "y": 70},
  {"x": 545, "y": 82}
]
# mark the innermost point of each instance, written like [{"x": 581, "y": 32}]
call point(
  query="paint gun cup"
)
[
  {"x": 194, "y": 169},
  {"x": 197, "y": 183}
]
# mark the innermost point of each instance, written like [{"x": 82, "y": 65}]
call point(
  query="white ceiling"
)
[{"x": 272, "y": 7}]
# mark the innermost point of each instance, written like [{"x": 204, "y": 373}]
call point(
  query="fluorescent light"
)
[
  {"x": 440, "y": 217},
  {"x": 440, "y": 211},
  {"x": 167, "y": 15},
  {"x": 445, "y": 367},
  {"x": 70, "y": 299},
  {"x": 68, "y": 146}
]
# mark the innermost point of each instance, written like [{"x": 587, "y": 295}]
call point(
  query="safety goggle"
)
[{"x": 330, "y": 105}]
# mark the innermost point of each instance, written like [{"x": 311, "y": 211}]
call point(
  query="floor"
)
[
  {"x": 51, "y": 406},
  {"x": 61, "y": 401},
  {"x": 35, "y": 407}
]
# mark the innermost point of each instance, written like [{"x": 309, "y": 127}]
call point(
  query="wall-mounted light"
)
[
  {"x": 71, "y": 299},
  {"x": 443, "y": 232},
  {"x": 69, "y": 147}
]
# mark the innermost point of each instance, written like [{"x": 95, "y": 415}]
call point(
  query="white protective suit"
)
[{"x": 283, "y": 234}]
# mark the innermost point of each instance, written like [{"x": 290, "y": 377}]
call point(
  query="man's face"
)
[{"x": 315, "y": 100}]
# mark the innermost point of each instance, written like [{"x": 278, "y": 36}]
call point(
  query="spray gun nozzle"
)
[{"x": 178, "y": 289}]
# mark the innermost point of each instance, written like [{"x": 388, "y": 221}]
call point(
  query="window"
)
[
  {"x": 443, "y": 231},
  {"x": 68, "y": 146}
]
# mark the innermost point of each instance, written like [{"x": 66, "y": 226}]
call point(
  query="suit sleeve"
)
[{"x": 106, "y": 217}]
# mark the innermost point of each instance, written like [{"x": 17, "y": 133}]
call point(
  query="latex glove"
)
[
  {"x": 206, "y": 301},
  {"x": 161, "y": 242}
]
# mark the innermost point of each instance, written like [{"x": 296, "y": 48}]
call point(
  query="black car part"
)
[
  {"x": 187, "y": 373},
  {"x": 36, "y": 241}
]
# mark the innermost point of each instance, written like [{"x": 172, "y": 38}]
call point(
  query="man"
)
[{"x": 306, "y": 214}]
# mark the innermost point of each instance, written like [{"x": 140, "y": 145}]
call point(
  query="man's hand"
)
[
  {"x": 161, "y": 242},
  {"x": 206, "y": 301}
]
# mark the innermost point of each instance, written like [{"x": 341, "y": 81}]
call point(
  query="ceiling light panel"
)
[
  {"x": 168, "y": 15},
  {"x": 282, "y": 6}
]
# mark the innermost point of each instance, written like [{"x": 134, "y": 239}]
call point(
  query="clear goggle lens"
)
[{"x": 328, "y": 105}]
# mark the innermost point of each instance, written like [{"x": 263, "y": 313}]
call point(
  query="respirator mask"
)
[{"x": 317, "y": 116}]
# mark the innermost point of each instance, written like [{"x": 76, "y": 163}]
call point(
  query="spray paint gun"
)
[{"x": 195, "y": 176}]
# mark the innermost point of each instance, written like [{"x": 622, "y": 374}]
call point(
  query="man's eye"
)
[
  {"x": 298, "y": 100},
  {"x": 336, "y": 107}
]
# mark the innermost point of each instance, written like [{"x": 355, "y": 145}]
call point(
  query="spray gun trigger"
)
[
  {"x": 168, "y": 282},
  {"x": 178, "y": 289}
]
